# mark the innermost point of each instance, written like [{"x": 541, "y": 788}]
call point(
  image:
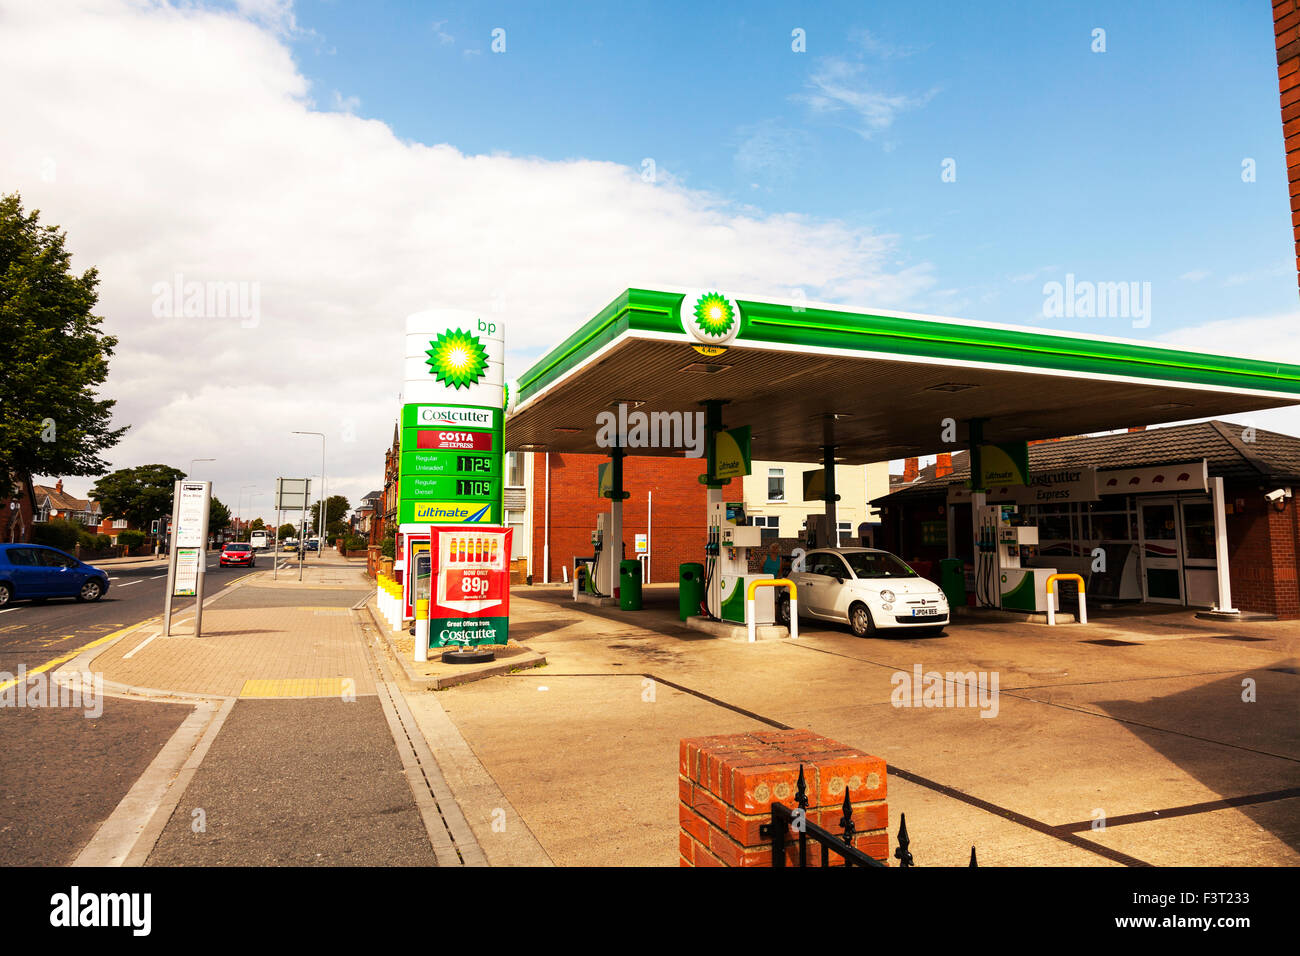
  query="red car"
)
[{"x": 237, "y": 554}]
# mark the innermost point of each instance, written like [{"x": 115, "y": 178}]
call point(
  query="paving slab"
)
[{"x": 1080, "y": 728}]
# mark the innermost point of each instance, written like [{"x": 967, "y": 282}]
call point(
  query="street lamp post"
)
[
  {"x": 320, "y": 515},
  {"x": 192, "y": 463}
]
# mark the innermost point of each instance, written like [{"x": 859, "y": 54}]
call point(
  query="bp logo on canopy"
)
[{"x": 711, "y": 317}]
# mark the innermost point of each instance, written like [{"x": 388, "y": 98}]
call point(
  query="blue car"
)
[{"x": 35, "y": 571}]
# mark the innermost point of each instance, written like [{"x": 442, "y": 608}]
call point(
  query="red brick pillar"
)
[{"x": 727, "y": 784}]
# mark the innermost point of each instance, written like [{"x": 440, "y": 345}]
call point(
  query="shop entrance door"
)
[
  {"x": 1161, "y": 549},
  {"x": 1200, "y": 565}
]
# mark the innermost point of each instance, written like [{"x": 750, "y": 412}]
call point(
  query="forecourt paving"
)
[{"x": 1155, "y": 736}]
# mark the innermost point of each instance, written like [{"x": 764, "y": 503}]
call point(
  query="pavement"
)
[
  {"x": 288, "y": 733},
  {"x": 280, "y": 738}
]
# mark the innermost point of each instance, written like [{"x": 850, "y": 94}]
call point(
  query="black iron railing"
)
[{"x": 786, "y": 819}]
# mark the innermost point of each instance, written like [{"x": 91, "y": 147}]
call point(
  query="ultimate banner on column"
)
[{"x": 470, "y": 604}]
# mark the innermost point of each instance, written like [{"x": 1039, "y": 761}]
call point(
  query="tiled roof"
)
[
  {"x": 62, "y": 501},
  {"x": 1270, "y": 457}
]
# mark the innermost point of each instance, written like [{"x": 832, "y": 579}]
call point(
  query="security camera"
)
[{"x": 1277, "y": 494}]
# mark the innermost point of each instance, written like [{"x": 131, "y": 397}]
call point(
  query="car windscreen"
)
[
  {"x": 236, "y": 547},
  {"x": 877, "y": 564}
]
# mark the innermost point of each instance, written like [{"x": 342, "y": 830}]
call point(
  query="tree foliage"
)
[
  {"x": 138, "y": 494},
  {"x": 336, "y": 506},
  {"x": 218, "y": 516},
  {"x": 52, "y": 352}
]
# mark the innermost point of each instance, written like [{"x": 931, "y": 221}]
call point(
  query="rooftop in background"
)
[
  {"x": 1271, "y": 458},
  {"x": 892, "y": 378}
]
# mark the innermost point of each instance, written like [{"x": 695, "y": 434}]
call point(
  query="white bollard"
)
[
  {"x": 1083, "y": 607},
  {"x": 421, "y": 630},
  {"x": 1051, "y": 610},
  {"x": 749, "y": 617},
  {"x": 794, "y": 619}
]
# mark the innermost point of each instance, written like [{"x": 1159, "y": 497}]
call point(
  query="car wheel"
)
[
  {"x": 6, "y": 595},
  {"x": 860, "y": 620},
  {"x": 783, "y": 610},
  {"x": 91, "y": 591}
]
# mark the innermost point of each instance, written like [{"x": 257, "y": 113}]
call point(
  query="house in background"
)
[{"x": 56, "y": 503}]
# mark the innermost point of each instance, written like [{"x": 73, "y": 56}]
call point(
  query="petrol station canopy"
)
[{"x": 889, "y": 379}]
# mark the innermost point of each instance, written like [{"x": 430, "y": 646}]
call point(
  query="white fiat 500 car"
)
[{"x": 871, "y": 590}]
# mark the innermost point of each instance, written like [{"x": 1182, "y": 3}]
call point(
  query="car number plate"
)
[{"x": 925, "y": 612}]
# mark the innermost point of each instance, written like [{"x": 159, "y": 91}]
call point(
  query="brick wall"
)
[
  {"x": 726, "y": 785},
  {"x": 1263, "y": 553},
  {"x": 1286, "y": 28},
  {"x": 678, "y": 510}
]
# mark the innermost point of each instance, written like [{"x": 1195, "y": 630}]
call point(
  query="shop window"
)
[{"x": 1198, "y": 530}]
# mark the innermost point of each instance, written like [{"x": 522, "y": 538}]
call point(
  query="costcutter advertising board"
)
[{"x": 470, "y": 603}]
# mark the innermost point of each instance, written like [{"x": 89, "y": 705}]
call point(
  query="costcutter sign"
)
[
  {"x": 453, "y": 416},
  {"x": 1043, "y": 487}
]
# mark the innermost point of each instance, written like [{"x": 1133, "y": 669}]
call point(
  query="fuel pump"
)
[
  {"x": 727, "y": 566},
  {"x": 604, "y": 571},
  {"x": 1000, "y": 581}
]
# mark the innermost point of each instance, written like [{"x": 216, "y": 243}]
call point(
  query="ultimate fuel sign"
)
[
  {"x": 451, "y": 435},
  {"x": 470, "y": 604}
]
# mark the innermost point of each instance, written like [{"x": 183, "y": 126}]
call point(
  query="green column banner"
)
[
  {"x": 1004, "y": 464},
  {"x": 732, "y": 454}
]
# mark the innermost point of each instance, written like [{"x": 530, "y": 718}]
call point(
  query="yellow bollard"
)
[{"x": 1051, "y": 594}]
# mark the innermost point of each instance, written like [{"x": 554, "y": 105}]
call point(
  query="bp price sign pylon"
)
[{"x": 451, "y": 477}]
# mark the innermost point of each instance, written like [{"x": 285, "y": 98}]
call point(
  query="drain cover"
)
[{"x": 1111, "y": 642}]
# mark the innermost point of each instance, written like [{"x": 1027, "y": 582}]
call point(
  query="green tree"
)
[
  {"x": 336, "y": 506},
  {"x": 287, "y": 531},
  {"x": 53, "y": 354},
  {"x": 218, "y": 516},
  {"x": 138, "y": 494}
]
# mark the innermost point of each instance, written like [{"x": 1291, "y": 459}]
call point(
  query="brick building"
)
[
  {"x": 18, "y": 511},
  {"x": 666, "y": 501},
  {"x": 1155, "y": 524}
]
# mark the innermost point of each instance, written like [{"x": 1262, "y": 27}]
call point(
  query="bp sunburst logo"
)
[
  {"x": 710, "y": 317},
  {"x": 714, "y": 315},
  {"x": 457, "y": 358}
]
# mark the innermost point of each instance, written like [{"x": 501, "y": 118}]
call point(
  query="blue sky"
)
[
  {"x": 1117, "y": 166},
  {"x": 353, "y": 163}
]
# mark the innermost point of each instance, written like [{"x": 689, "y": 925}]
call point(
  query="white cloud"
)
[
  {"x": 838, "y": 85},
  {"x": 1196, "y": 275},
  {"x": 1269, "y": 337},
  {"x": 345, "y": 104},
  {"x": 181, "y": 140}
]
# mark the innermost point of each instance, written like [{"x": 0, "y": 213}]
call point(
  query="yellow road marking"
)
[
  {"x": 293, "y": 687},
  {"x": 63, "y": 659}
]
